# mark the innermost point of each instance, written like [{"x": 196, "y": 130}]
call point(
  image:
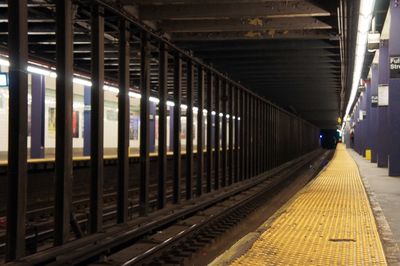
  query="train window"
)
[{"x": 3, "y": 79}]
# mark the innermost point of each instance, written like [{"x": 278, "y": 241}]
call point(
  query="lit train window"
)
[{"x": 3, "y": 79}]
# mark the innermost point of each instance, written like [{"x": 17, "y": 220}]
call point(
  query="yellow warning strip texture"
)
[{"x": 329, "y": 222}]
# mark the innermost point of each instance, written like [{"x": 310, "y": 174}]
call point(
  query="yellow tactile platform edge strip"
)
[{"x": 329, "y": 222}]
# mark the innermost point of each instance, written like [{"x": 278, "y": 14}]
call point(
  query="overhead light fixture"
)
[
  {"x": 83, "y": 82},
  {"x": 364, "y": 22},
  {"x": 86, "y": 82}
]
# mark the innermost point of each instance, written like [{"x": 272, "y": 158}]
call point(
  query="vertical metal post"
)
[
  {"x": 123, "y": 123},
  {"x": 231, "y": 121},
  {"x": 275, "y": 124},
  {"x": 224, "y": 133},
  {"x": 255, "y": 135},
  {"x": 265, "y": 140},
  {"x": 261, "y": 136},
  {"x": 97, "y": 120},
  {"x": 200, "y": 130},
  {"x": 177, "y": 127},
  {"x": 247, "y": 137},
  {"x": 144, "y": 124},
  {"x": 243, "y": 143},
  {"x": 217, "y": 136},
  {"x": 189, "y": 128},
  {"x": 210, "y": 83},
  {"x": 17, "y": 131},
  {"x": 237, "y": 135},
  {"x": 162, "y": 125},
  {"x": 64, "y": 100},
  {"x": 267, "y": 137}
]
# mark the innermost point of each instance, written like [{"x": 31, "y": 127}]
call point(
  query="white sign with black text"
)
[{"x": 383, "y": 95}]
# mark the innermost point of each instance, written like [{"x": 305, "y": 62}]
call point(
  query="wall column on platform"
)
[
  {"x": 373, "y": 117},
  {"x": 383, "y": 119},
  {"x": 394, "y": 90}
]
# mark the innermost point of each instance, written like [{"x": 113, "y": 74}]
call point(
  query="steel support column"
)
[
  {"x": 200, "y": 130},
  {"x": 224, "y": 132},
  {"x": 144, "y": 124},
  {"x": 17, "y": 130},
  {"x": 64, "y": 102},
  {"x": 210, "y": 82},
  {"x": 123, "y": 123},
  {"x": 97, "y": 121},
  {"x": 189, "y": 128},
  {"x": 217, "y": 137},
  {"x": 177, "y": 128},
  {"x": 237, "y": 135},
  {"x": 231, "y": 150},
  {"x": 162, "y": 126}
]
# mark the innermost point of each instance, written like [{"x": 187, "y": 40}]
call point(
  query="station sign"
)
[
  {"x": 383, "y": 95},
  {"x": 362, "y": 115},
  {"x": 374, "y": 100},
  {"x": 394, "y": 66}
]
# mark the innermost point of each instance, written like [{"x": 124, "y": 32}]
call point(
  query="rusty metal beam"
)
[
  {"x": 247, "y": 25},
  {"x": 255, "y": 35},
  {"x": 238, "y": 10}
]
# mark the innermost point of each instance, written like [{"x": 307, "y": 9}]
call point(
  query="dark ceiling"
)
[
  {"x": 287, "y": 51},
  {"x": 292, "y": 52}
]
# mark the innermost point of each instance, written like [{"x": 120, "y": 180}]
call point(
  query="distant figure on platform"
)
[{"x": 352, "y": 139}]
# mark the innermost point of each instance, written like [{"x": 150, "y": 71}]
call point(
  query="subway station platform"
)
[{"x": 329, "y": 222}]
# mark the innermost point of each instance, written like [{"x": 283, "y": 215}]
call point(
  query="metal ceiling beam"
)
[
  {"x": 232, "y": 10},
  {"x": 270, "y": 54},
  {"x": 285, "y": 66},
  {"x": 173, "y": 2},
  {"x": 258, "y": 24},
  {"x": 255, "y": 35},
  {"x": 249, "y": 45}
]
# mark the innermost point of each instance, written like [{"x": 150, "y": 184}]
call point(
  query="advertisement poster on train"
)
[
  {"x": 29, "y": 120},
  {"x": 134, "y": 129},
  {"x": 75, "y": 124},
  {"x": 52, "y": 122}
]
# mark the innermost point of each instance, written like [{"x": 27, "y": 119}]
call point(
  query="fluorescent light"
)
[
  {"x": 4, "y": 62},
  {"x": 213, "y": 113},
  {"x": 37, "y": 70},
  {"x": 183, "y": 106},
  {"x": 83, "y": 82},
  {"x": 195, "y": 109},
  {"x": 364, "y": 22},
  {"x": 154, "y": 99},
  {"x": 110, "y": 89},
  {"x": 169, "y": 103},
  {"x": 135, "y": 95}
]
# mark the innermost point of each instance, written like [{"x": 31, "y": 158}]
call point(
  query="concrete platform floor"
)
[{"x": 384, "y": 194}]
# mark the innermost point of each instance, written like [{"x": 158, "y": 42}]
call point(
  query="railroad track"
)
[
  {"x": 176, "y": 244},
  {"x": 170, "y": 235}
]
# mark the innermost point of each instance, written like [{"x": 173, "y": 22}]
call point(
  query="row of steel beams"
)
[{"x": 255, "y": 137}]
